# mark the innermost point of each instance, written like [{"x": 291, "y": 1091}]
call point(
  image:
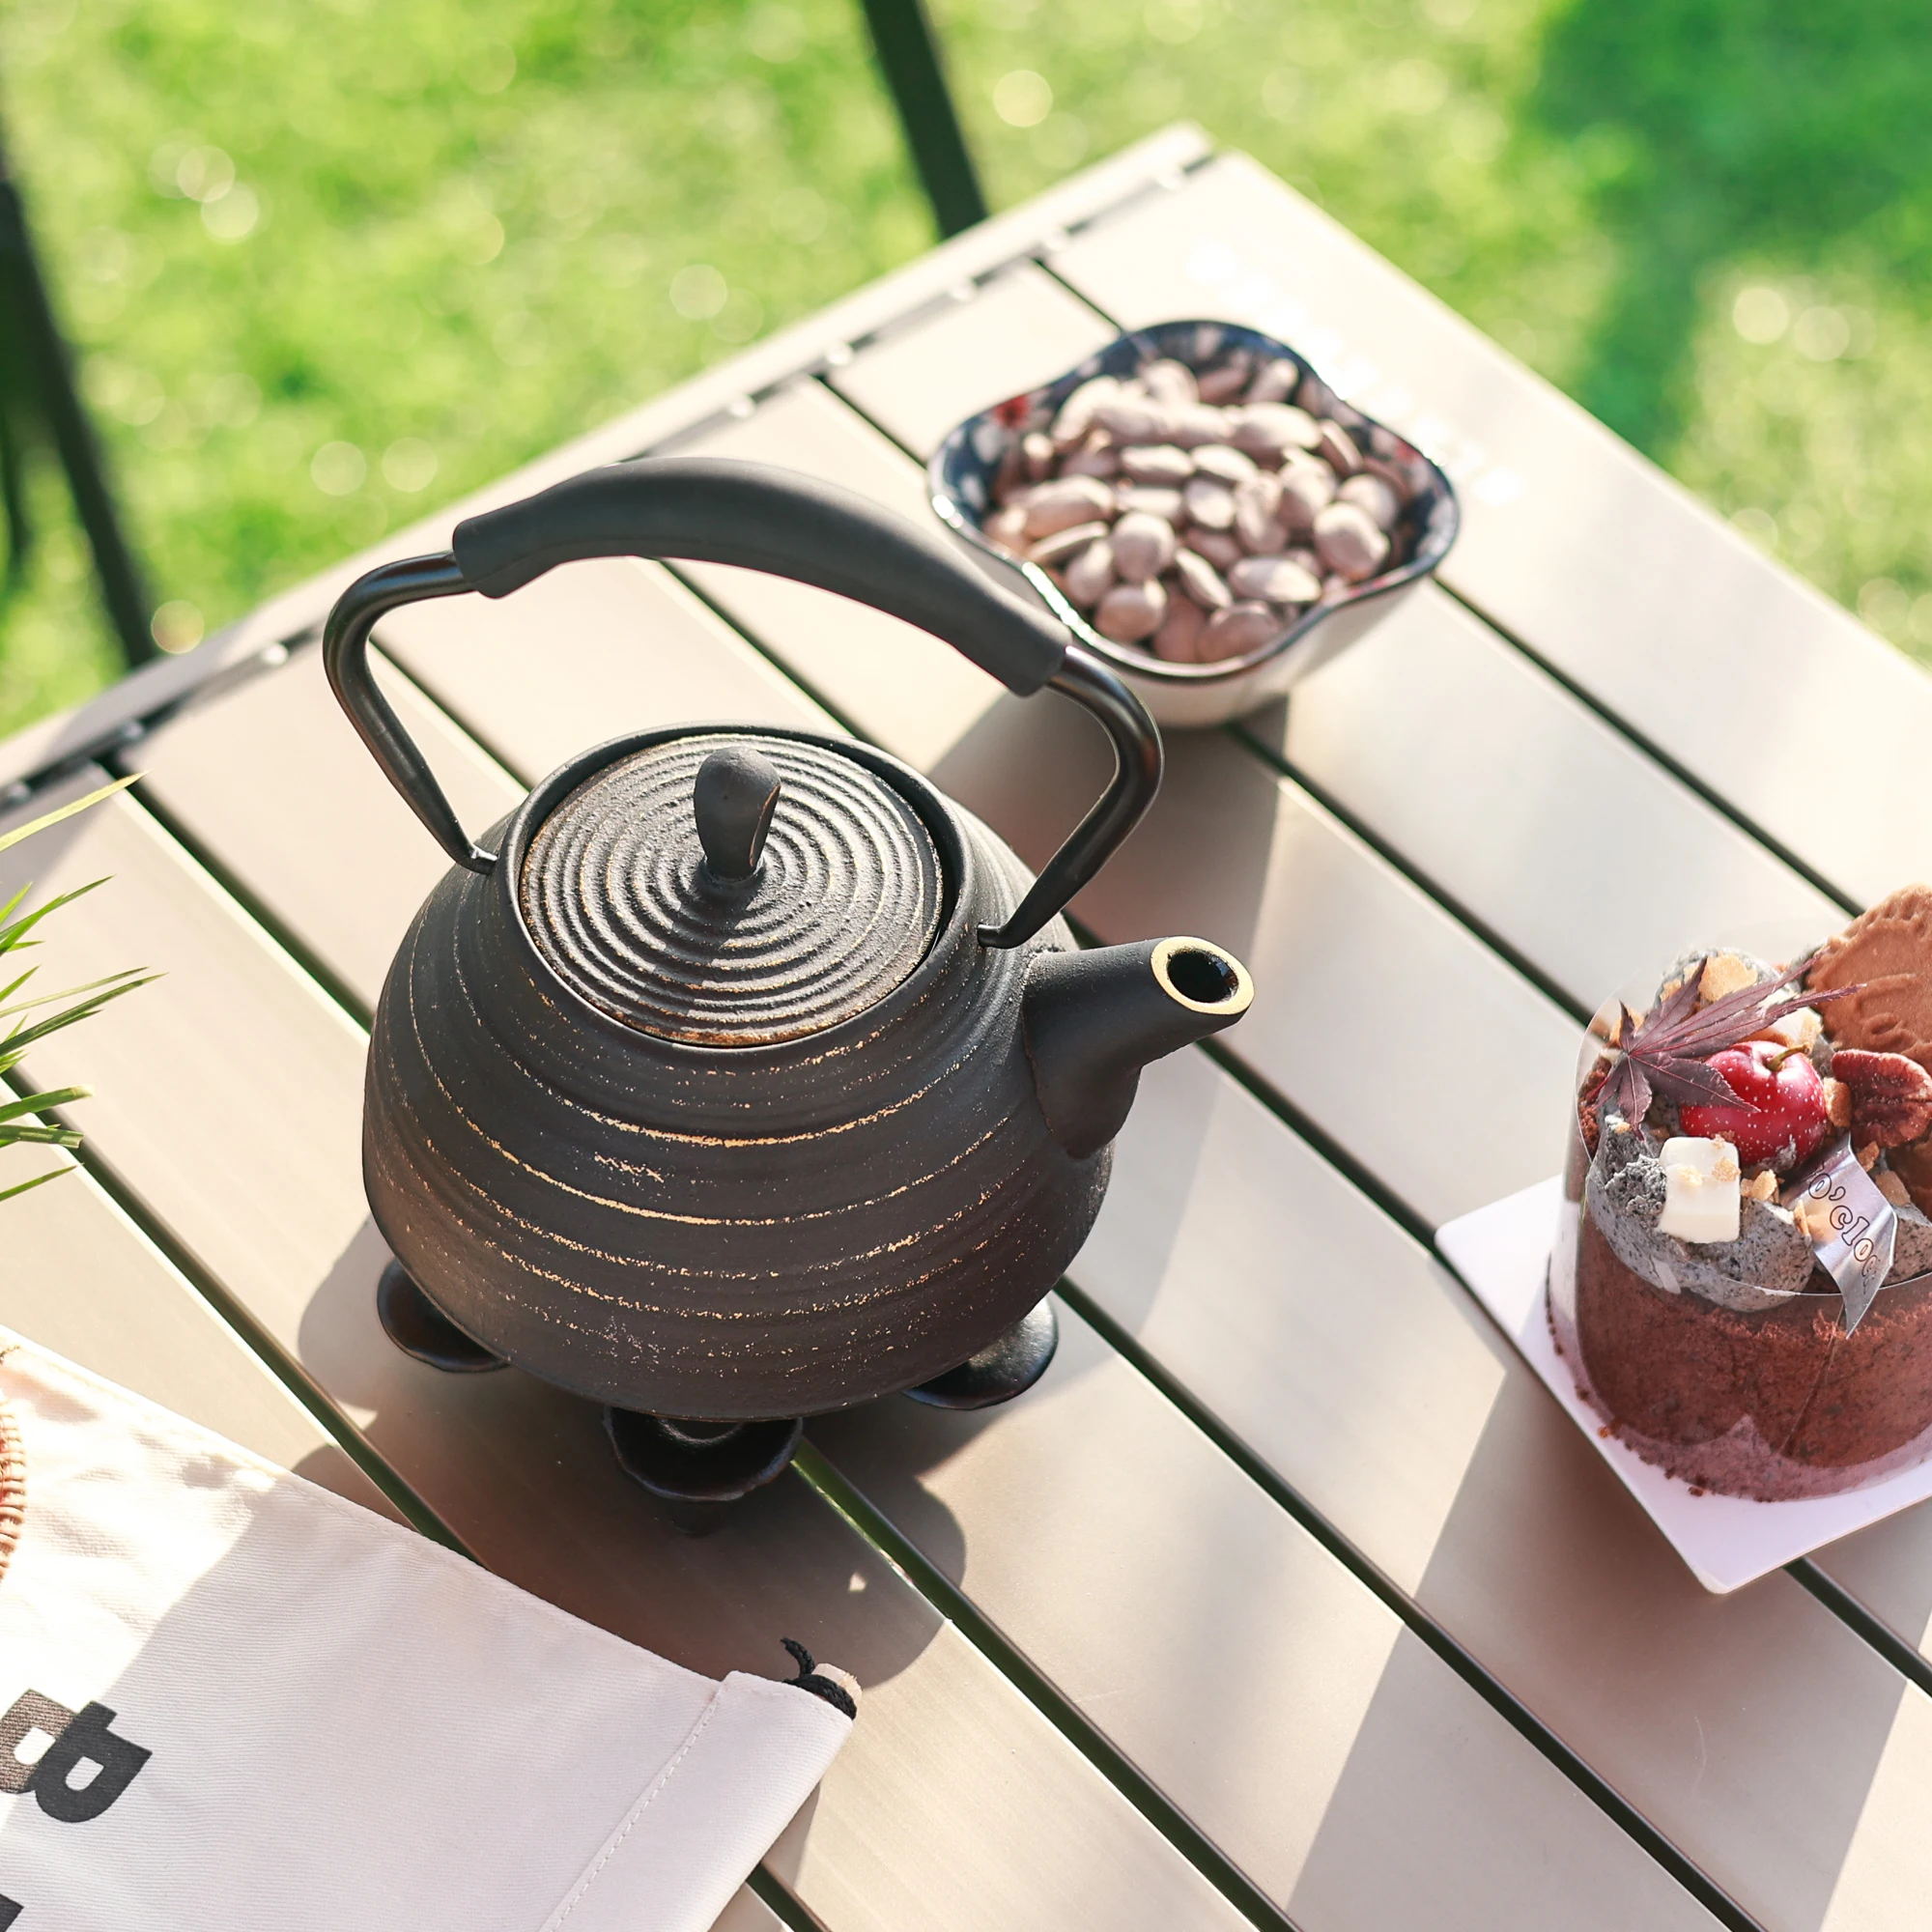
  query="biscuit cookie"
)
[{"x": 1886, "y": 953}]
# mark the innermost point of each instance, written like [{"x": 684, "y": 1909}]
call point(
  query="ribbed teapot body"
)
[{"x": 723, "y": 1232}]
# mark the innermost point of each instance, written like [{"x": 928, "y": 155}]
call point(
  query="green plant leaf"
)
[
  {"x": 16, "y": 1042},
  {"x": 21, "y": 1119},
  {"x": 14, "y": 935},
  {"x": 41, "y": 1103},
  {"x": 68, "y": 992},
  {"x": 39, "y": 1181},
  {"x": 14, "y": 1134},
  {"x": 41, "y": 824}
]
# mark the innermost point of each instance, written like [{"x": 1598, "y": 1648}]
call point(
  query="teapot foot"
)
[
  {"x": 419, "y": 1327},
  {"x": 698, "y": 1467},
  {"x": 1005, "y": 1367}
]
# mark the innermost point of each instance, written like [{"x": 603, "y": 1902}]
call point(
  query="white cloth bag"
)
[{"x": 231, "y": 1701}]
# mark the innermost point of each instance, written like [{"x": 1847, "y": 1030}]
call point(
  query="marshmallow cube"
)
[{"x": 1701, "y": 1190}]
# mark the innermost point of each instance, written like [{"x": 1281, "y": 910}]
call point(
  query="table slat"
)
[
  {"x": 230, "y": 1106},
  {"x": 1888, "y": 1569},
  {"x": 749, "y": 1913},
  {"x": 1326, "y": 1749},
  {"x": 79, "y": 1278},
  {"x": 1570, "y": 541},
  {"x": 517, "y": 670},
  {"x": 222, "y": 772},
  {"x": 1008, "y": 334}
]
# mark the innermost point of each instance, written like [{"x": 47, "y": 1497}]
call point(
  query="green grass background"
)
[{"x": 330, "y": 261}]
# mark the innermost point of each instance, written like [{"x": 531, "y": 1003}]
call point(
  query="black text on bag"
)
[{"x": 79, "y": 1738}]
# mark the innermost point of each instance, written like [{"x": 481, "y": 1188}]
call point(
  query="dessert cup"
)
[{"x": 1730, "y": 1365}]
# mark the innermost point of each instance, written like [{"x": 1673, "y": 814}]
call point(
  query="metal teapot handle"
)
[{"x": 711, "y": 510}]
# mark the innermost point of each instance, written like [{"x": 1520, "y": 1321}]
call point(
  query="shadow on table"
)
[
  {"x": 1805, "y": 1720},
  {"x": 524, "y": 1475},
  {"x": 1030, "y": 767}
]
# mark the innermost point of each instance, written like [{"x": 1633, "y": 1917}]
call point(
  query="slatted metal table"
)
[{"x": 1290, "y": 1596}]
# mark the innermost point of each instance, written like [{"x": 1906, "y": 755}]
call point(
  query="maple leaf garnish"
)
[{"x": 1663, "y": 1051}]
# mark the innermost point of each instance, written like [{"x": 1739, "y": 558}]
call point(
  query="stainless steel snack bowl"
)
[{"x": 963, "y": 469}]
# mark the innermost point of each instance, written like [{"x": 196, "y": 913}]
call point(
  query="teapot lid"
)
[{"x": 733, "y": 892}]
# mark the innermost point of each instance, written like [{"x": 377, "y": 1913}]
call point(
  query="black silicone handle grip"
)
[{"x": 711, "y": 510}]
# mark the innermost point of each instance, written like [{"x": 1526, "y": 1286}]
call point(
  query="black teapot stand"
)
[{"x": 698, "y": 1468}]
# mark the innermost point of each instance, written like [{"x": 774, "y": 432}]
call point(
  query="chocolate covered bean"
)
[
  {"x": 1100, "y": 462},
  {"x": 1307, "y": 489},
  {"x": 1237, "y": 630},
  {"x": 1158, "y": 463},
  {"x": 1011, "y": 480},
  {"x": 1131, "y": 612},
  {"x": 1133, "y": 419},
  {"x": 1273, "y": 580},
  {"x": 1171, "y": 382},
  {"x": 1178, "y": 639},
  {"x": 1275, "y": 381},
  {"x": 1063, "y": 544},
  {"x": 1349, "y": 542},
  {"x": 1201, "y": 581},
  {"x": 1191, "y": 427},
  {"x": 1006, "y": 526},
  {"x": 1076, "y": 412},
  {"x": 1210, "y": 503},
  {"x": 1089, "y": 575},
  {"x": 1224, "y": 461},
  {"x": 1144, "y": 546},
  {"x": 1260, "y": 491},
  {"x": 1064, "y": 501},
  {"x": 1095, "y": 457},
  {"x": 1168, "y": 504},
  {"x": 1257, "y": 500},
  {"x": 1373, "y": 493},
  {"x": 1218, "y": 547},
  {"x": 1337, "y": 448},
  {"x": 1267, "y": 431},
  {"x": 1223, "y": 382}
]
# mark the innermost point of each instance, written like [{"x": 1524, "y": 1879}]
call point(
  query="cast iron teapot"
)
[{"x": 742, "y": 1075}]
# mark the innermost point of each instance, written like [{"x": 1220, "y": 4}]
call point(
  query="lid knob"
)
[{"x": 733, "y": 799}]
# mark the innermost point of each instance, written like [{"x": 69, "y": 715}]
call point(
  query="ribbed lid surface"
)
[{"x": 843, "y": 903}]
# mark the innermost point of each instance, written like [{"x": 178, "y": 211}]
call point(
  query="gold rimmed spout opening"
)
[{"x": 1203, "y": 978}]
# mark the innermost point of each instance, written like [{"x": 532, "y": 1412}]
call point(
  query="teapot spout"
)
[{"x": 1095, "y": 1019}]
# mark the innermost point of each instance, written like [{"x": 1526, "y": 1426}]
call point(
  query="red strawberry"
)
[{"x": 1783, "y": 1121}]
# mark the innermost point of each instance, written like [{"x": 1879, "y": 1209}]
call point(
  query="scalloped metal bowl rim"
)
[{"x": 947, "y": 507}]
